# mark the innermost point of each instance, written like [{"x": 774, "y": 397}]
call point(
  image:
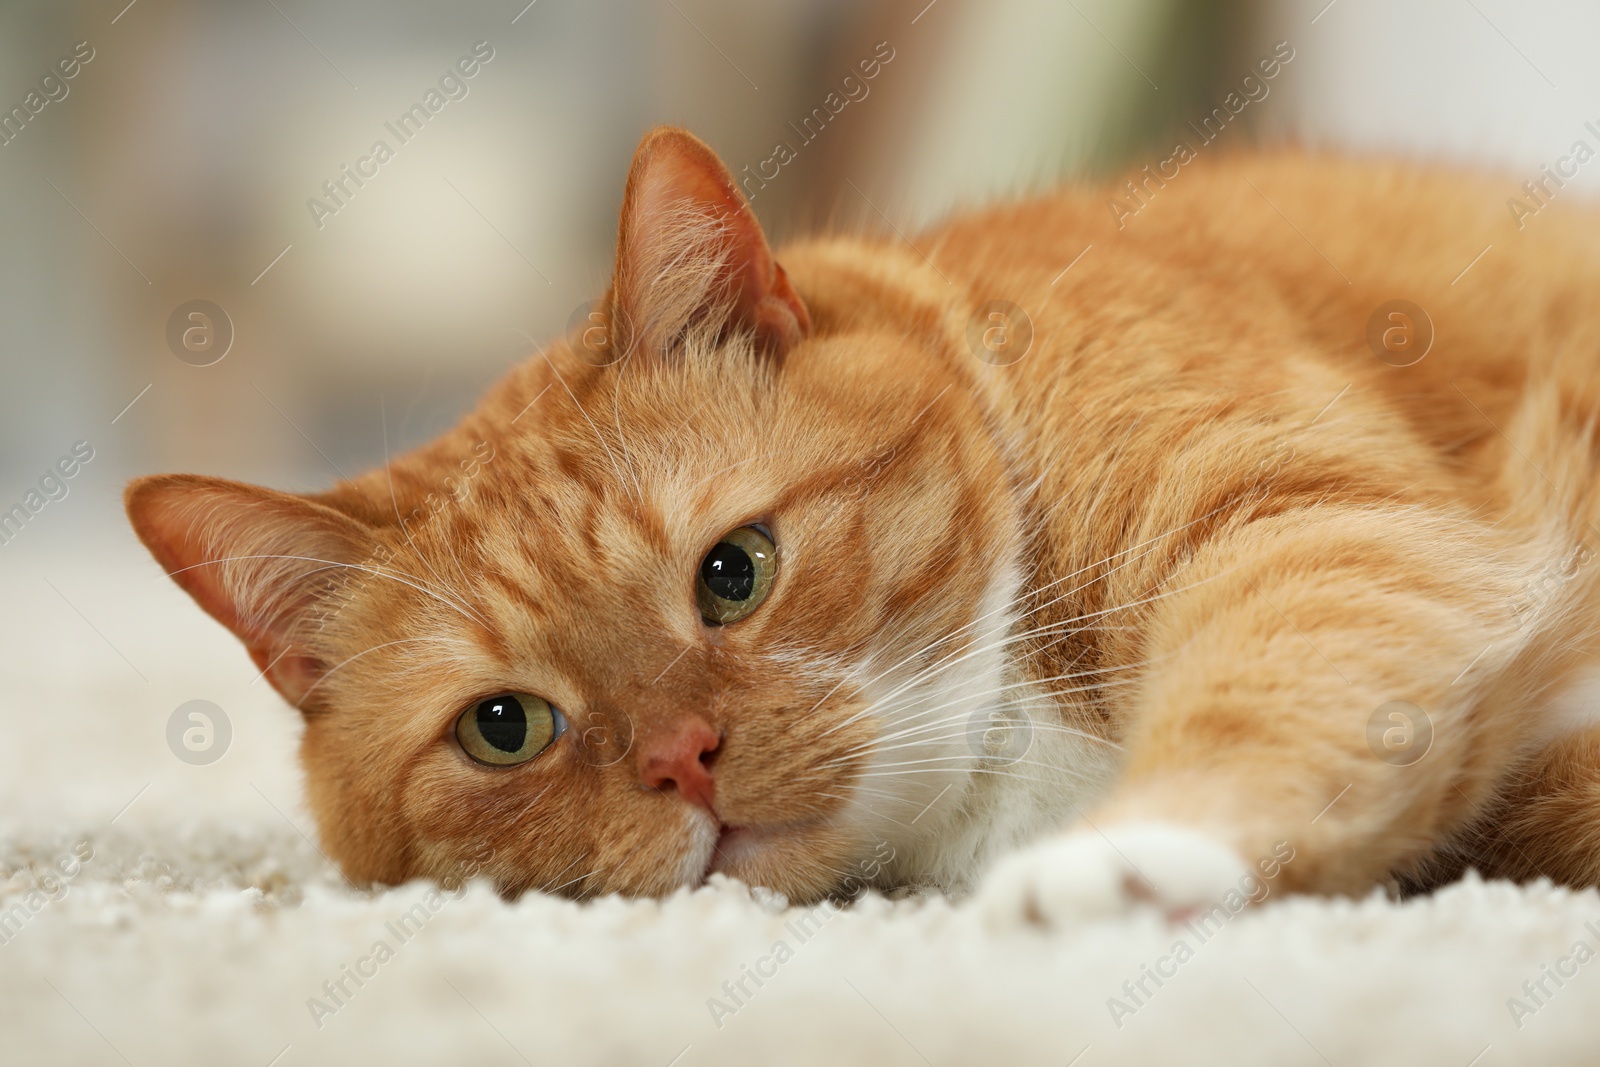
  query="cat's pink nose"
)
[{"x": 679, "y": 757}]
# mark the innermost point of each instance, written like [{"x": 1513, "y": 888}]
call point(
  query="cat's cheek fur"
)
[{"x": 1097, "y": 873}]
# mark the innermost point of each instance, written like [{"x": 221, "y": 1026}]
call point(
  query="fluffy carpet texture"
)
[{"x": 204, "y": 927}]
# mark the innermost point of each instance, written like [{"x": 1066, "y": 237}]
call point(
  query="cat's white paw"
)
[{"x": 1088, "y": 874}]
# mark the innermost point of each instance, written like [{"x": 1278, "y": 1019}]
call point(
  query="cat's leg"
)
[{"x": 1331, "y": 692}]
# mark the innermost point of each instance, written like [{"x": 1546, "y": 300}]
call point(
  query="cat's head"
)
[{"x": 719, "y": 583}]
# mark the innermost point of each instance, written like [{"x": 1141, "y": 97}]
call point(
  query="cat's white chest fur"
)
[{"x": 974, "y": 761}]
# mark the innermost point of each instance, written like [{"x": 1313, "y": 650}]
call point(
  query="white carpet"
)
[{"x": 204, "y": 922}]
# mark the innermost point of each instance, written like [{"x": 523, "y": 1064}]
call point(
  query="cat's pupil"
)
[
  {"x": 729, "y": 572},
  {"x": 503, "y": 723}
]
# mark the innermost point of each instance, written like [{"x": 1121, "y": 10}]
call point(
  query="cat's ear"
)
[
  {"x": 691, "y": 253},
  {"x": 256, "y": 560}
]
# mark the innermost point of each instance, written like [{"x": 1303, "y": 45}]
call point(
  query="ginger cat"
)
[{"x": 777, "y": 565}]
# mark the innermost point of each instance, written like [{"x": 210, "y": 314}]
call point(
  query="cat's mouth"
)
[
  {"x": 735, "y": 844},
  {"x": 741, "y": 851}
]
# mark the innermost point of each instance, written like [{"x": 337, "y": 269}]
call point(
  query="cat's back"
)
[
  {"x": 1313, "y": 222},
  {"x": 1272, "y": 278}
]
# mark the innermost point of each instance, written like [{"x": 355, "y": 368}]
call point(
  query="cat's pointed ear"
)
[
  {"x": 691, "y": 253},
  {"x": 256, "y": 560}
]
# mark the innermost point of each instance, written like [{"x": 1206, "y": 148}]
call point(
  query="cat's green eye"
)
[
  {"x": 508, "y": 729},
  {"x": 736, "y": 576}
]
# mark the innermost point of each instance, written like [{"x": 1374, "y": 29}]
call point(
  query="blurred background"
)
[
  {"x": 190, "y": 155},
  {"x": 180, "y": 163}
]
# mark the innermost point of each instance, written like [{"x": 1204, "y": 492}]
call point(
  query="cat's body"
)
[{"x": 1107, "y": 622}]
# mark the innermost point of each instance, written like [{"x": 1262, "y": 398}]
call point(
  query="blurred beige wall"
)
[{"x": 180, "y": 164}]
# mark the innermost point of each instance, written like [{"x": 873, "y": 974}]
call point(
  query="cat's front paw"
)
[{"x": 1088, "y": 874}]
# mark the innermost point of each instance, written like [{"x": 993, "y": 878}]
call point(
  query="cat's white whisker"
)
[
  {"x": 1040, "y": 684},
  {"x": 1009, "y": 622},
  {"x": 545, "y": 886},
  {"x": 925, "y": 734},
  {"x": 1074, "y": 624},
  {"x": 884, "y": 794}
]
